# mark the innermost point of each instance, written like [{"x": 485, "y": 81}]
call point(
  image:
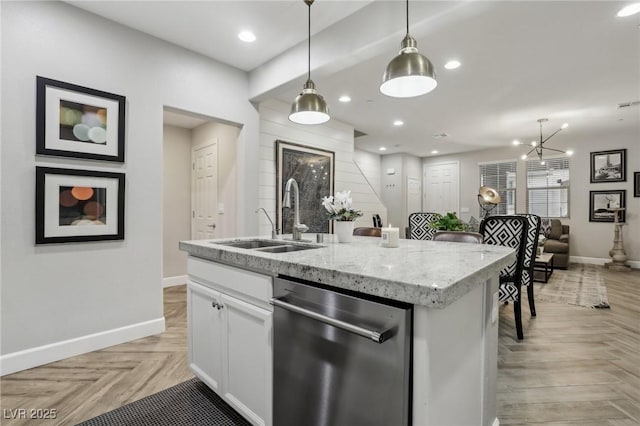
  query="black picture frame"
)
[
  {"x": 609, "y": 166},
  {"x": 314, "y": 171},
  {"x": 600, "y": 201},
  {"x": 78, "y": 205},
  {"x": 636, "y": 184},
  {"x": 79, "y": 122}
]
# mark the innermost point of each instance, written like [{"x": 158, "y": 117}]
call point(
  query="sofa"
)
[{"x": 556, "y": 242}]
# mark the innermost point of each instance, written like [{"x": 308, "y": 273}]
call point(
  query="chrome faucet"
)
[
  {"x": 274, "y": 231},
  {"x": 298, "y": 228}
]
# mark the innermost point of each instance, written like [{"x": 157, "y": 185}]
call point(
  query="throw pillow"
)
[
  {"x": 556, "y": 229},
  {"x": 545, "y": 227}
]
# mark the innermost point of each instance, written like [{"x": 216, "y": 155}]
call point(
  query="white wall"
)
[
  {"x": 226, "y": 223},
  {"x": 176, "y": 201},
  {"x": 59, "y": 300},
  {"x": 333, "y": 136},
  {"x": 394, "y": 186},
  {"x": 391, "y": 190},
  {"x": 590, "y": 241},
  {"x": 369, "y": 165}
]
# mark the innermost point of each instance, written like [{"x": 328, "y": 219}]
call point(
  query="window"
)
[
  {"x": 548, "y": 187},
  {"x": 502, "y": 178}
]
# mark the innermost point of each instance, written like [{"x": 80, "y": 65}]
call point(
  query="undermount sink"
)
[
  {"x": 267, "y": 246},
  {"x": 251, "y": 244},
  {"x": 285, "y": 249}
]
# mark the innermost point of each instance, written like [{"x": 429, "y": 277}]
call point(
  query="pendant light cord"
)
[
  {"x": 309, "y": 44},
  {"x": 407, "y": 17}
]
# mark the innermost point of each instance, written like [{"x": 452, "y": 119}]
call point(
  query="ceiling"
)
[{"x": 521, "y": 60}]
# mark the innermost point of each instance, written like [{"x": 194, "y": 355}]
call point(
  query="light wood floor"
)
[{"x": 576, "y": 366}]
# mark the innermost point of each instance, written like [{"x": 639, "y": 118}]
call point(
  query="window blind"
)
[
  {"x": 502, "y": 178},
  {"x": 548, "y": 187}
]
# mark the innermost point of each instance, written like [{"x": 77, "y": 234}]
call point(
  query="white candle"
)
[{"x": 390, "y": 237}]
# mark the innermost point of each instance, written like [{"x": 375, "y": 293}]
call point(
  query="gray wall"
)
[
  {"x": 70, "y": 295},
  {"x": 589, "y": 240},
  {"x": 176, "y": 199}
]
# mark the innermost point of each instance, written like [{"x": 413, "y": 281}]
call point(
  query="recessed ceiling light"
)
[
  {"x": 523, "y": 156},
  {"x": 452, "y": 65},
  {"x": 382, "y": 148},
  {"x": 344, "y": 98},
  {"x": 435, "y": 151},
  {"x": 564, "y": 126},
  {"x": 398, "y": 123},
  {"x": 516, "y": 142},
  {"x": 629, "y": 10},
  {"x": 247, "y": 36},
  {"x": 570, "y": 153}
]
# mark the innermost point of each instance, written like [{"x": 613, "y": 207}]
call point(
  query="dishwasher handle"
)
[{"x": 376, "y": 336}]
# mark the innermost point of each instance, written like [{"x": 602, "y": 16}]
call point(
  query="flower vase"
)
[{"x": 343, "y": 230}]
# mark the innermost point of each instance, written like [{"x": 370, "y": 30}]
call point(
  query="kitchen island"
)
[{"x": 452, "y": 287}]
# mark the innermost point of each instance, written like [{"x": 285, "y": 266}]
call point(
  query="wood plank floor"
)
[
  {"x": 84, "y": 386},
  {"x": 576, "y": 366}
]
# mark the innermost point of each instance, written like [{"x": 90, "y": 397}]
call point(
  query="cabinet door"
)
[
  {"x": 247, "y": 359},
  {"x": 205, "y": 334}
]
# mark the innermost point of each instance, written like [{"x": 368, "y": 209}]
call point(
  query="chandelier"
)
[{"x": 538, "y": 147}]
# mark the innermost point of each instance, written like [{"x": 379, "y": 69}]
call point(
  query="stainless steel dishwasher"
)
[{"x": 339, "y": 359}]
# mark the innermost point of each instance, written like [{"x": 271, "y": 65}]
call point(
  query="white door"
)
[
  {"x": 204, "y": 189},
  {"x": 441, "y": 188},
  {"x": 248, "y": 359},
  {"x": 204, "y": 307},
  {"x": 414, "y": 196}
]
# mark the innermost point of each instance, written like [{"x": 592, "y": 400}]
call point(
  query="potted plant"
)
[
  {"x": 340, "y": 211},
  {"x": 449, "y": 222}
]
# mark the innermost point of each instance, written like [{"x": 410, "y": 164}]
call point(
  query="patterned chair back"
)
[
  {"x": 533, "y": 232},
  {"x": 419, "y": 228},
  {"x": 510, "y": 231}
]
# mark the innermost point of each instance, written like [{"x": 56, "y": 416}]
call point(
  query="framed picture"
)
[
  {"x": 78, "y": 205},
  {"x": 636, "y": 184},
  {"x": 600, "y": 203},
  {"x": 609, "y": 166},
  {"x": 75, "y": 121},
  {"x": 313, "y": 170}
]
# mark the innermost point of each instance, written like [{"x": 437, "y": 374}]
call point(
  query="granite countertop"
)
[{"x": 428, "y": 273}]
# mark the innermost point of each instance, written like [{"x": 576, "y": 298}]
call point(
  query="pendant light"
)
[
  {"x": 409, "y": 74},
  {"x": 309, "y": 107}
]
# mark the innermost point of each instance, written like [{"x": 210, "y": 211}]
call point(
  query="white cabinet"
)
[
  {"x": 247, "y": 359},
  {"x": 205, "y": 334},
  {"x": 230, "y": 344}
]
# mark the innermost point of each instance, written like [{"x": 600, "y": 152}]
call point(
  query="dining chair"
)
[
  {"x": 510, "y": 231},
  {"x": 419, "y": 228},
  {"x": 533, "y": 232},
  {"x": 367, "y": 232},
  {"x": 458, "y": 237},
  {"x": 377, "y": 221}
]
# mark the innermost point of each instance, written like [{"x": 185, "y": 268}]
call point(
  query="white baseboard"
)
[
  {"x": 33, "y": 357},
  {"x": 173, "y": 281},
  {"x": 601, "y": 261}
]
